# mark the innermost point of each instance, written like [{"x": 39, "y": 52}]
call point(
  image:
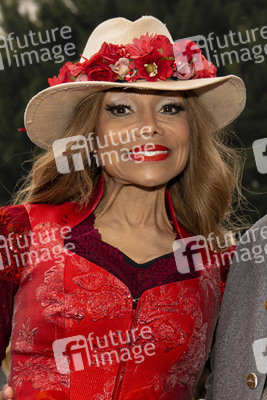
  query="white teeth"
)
[{"x": 149, "y": 153}]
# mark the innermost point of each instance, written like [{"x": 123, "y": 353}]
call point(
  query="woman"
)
[{"x": 135, "y": 167}]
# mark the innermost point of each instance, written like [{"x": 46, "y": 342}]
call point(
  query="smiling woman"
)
[
  {"x": 168, "y": 126},
  {"x": 174, "y": 177},
  {"x": 210, "y": 163}
]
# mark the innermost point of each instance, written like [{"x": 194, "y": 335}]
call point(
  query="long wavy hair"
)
[{"x": 206, "y": 195}]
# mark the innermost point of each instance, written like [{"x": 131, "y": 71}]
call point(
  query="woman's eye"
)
[
  {"x": 120, "y": 109},
  {"x": 171, "y": 109}
]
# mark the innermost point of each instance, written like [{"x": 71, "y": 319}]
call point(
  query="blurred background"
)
[{"x": 34, "y": 45}]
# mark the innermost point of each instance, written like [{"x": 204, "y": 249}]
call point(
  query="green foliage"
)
[{"x": 183, "y": 18}]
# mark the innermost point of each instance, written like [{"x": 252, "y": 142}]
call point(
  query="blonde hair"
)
[
  {"x": 202, "y": 195},
  {"x": 6, "y": 362},
  {"x": 45, "y": 184}
]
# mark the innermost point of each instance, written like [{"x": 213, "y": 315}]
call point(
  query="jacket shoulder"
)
[{"x": 14, "y": 224}]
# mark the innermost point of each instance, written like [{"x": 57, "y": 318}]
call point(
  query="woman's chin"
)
[
  {"x": 145, "y": 177},
  {"x": 150, "y": 181}
]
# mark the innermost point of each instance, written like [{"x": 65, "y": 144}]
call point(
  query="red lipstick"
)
[{"x": 149, "y": 152}]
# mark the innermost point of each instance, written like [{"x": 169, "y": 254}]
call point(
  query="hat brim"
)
[{"x": 49, "y": 112}]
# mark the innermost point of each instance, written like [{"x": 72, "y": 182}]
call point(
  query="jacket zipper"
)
[{"x": 123, "y": 364}]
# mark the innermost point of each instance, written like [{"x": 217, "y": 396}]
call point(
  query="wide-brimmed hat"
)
[{"x": 140, "y": 55}]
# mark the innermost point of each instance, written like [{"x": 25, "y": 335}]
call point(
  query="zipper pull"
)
[{"x": 135, "y": 301}]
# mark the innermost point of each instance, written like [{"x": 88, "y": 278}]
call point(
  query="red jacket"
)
[{"x": 75, "y": 330}]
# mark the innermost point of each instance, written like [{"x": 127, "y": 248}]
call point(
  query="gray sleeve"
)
[
  {"x": 209, "y": 382},
  {"x": 242, "y": 320}
]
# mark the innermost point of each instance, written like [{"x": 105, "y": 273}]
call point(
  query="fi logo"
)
[
  {"x": 5, "y": 257},
  {"x": 191, "y": 254},
  {"x": 260, "y": 154},
  {"x": 69, "y": 151},
  {"x": 71, "y": 353},
  {"x": 260, "y": 353}
]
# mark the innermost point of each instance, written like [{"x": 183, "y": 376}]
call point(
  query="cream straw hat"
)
[{"x": 140, "y": 60}]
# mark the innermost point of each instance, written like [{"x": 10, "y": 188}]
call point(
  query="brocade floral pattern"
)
[
  {"x": 41, "y": 372},
  {"x": 25, "y": 340},
  {"x": 108, "y": 297},
  {"x": 58, "y": 305}
]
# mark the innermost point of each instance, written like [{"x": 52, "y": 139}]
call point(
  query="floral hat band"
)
[{"x": 150, "y": 57}]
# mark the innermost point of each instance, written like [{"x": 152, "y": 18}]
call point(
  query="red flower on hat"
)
[
  {"x": 112, "y": 52},
  {"x": 101, "y": 72},
  {"x": 152, "y": 68},
  {"x": 205, "y": 69},
  {"x": 141, "y": 47},
  {"x": 54, "y": 81},
  {"x": 97, "y": 70},
  {"x": 63, "y": 76},
  {"x": 158, "y": 63},
  {"x": 96, "y": 58},
  {"x": 191, "y": 64},
  {"x": 74, "y": 69},
  {"x": 66, "y": 74},
  {"x": 185, "y": 50},
  {"x": 162, "y": 45}
]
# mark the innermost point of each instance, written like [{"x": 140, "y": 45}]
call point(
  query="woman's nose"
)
[{"x": 149, "y": 124}]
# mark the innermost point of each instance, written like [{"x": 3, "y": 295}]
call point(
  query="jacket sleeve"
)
[
  {"x": 14, "y": 225},
  {"x": 14, "y": 236},
  {"x": 226, "y": 258},
  {"x": 7, "y": 293},
  {"x": 209, "y": 382}
]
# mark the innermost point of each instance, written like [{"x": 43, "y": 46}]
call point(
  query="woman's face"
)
[{"x": 142, "y": 137}]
